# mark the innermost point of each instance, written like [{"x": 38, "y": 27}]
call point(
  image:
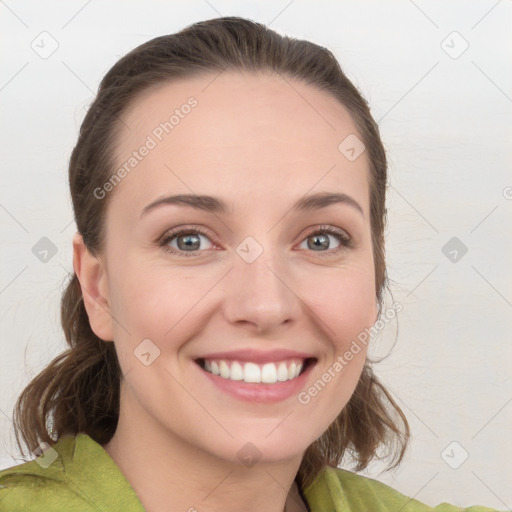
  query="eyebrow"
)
[{"x": 215, "y": 205}]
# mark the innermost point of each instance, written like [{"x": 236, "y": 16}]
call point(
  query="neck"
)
[{"x": 167, "y": 472}]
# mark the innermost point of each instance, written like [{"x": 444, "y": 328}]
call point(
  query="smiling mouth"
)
[{"x": 246, "y": 371}]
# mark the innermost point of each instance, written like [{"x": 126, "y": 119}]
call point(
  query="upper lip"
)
[{"x": 258, "y": 356}]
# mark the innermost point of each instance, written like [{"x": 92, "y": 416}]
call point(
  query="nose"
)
[{"x": 260, "y": 294}]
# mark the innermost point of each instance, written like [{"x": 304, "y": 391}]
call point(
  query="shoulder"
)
[
  {"x": 42, "y": 482},
  {"x": 75, "y": 474},
  {"x": 340, "y": 490}
]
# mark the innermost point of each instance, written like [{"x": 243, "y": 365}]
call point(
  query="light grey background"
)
[{"x": 445, "y": 118}]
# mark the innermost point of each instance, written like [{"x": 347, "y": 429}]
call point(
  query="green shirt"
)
[{"x": 80, "y": 476}]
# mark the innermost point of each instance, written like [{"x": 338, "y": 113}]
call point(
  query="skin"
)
[{"x": 260, "y": 143}]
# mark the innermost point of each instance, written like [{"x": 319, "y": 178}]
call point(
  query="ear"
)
[{"x": 91, "y": 273}]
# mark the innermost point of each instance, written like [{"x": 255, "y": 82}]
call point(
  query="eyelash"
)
[{"x": 344, "y": 239}]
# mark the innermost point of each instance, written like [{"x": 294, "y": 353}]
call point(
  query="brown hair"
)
[{"x": 79, "y": 390}]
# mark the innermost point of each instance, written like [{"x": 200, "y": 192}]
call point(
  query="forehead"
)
[{"x": 265, "y": 132}]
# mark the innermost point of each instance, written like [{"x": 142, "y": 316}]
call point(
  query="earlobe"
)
[{"x": 91, "y": 273}]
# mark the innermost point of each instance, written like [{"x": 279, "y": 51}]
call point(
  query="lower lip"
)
[{"x": 260, "y": 392}]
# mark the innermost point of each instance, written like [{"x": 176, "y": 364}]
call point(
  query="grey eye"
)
[
  {"x": 187, "y": 242},
  {"x": 318, "y": 241}
]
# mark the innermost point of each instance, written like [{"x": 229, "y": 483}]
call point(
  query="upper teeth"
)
[{"x": 267, "y": 373}]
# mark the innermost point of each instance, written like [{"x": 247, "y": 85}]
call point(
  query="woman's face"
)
[{"x": 260, "y": 281}]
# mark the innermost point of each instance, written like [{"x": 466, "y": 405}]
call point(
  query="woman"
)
[{"x": 229, "y": 193}]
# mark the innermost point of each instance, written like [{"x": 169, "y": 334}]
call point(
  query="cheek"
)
[
  {"x": 145, "y": 303},
  {"x": 157, "y": 302},
  {"x": 346, "y": 305},
  {"x": 345, "y": 302}
]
